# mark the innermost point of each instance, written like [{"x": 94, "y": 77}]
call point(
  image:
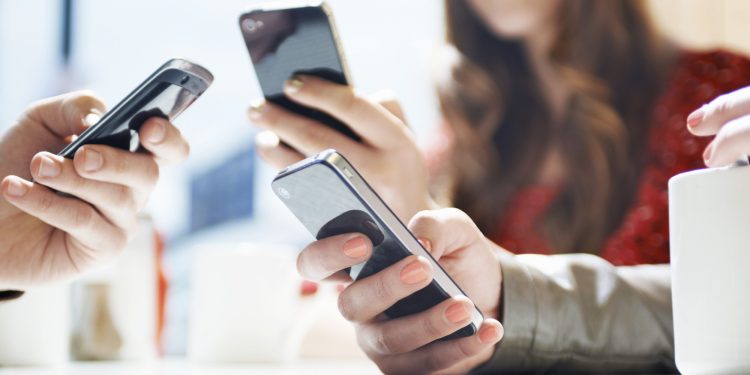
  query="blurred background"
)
[{"x": 222, "y": 195}]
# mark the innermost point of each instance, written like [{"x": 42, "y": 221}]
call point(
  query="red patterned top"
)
[{"x": 643, "y": 237}]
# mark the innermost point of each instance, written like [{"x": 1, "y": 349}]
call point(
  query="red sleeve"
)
[{"x": 643, "y": 237}]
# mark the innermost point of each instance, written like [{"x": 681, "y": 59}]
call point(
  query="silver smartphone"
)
[{"x": 330, "y": 197}]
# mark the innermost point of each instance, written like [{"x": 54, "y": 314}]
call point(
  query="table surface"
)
[{"x": 170, "y": 366}]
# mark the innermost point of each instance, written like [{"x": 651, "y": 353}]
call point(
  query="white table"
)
[{"x": 180, "y": 366}]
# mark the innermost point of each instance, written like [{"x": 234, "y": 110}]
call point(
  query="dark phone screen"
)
[
  {"x": 286, "y": 42},
  {"x": 119, "y": 127}
]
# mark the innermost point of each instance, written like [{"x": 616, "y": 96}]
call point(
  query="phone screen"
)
[{"x": 285, "y": 42}]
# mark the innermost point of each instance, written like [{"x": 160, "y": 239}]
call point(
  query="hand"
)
[
  {"x": 727, "y": 116},
  {"x": 388, "y": 156},
  {"x": 407, "y": 345},
  {"x": 47, "y": 237}
]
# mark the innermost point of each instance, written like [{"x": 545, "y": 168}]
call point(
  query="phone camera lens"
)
[
  {"x": 252, "y": 25},
  {"x": 284, "y": 193}
]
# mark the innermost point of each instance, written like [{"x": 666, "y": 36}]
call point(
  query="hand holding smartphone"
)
[
  {"x": 330, "y": 197},
  {"x": 166, "y": 93},
  {"x": 287, "y": 38}
]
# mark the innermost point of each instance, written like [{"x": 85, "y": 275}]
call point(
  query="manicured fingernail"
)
[
  {"x": 293, "y": 85},
  {"x": 157, "y": 135},
  {"x": 355, "y": 248},
  {"x": 489, "y": 334},
  {"x": 91, "y": 119},
  {"x": 414, "y": 272},
  {"x": 257, "y": 110},
  {"x": 457, "y": 313},
  {"x": 426, "y": 244},
  {"x": 695, "y": 118},
  {"x": 16, "y": 189},
  {"x": 48, "y": 168},
  {"x": 92, "y": 160}
]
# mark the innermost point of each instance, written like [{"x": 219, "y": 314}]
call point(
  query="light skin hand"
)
[
  {"x": 728, "y": 118},
  {"x": 388, "y": 156},
  {"x": 407, "y": 345},
  {"x": 47, "y": 237}
]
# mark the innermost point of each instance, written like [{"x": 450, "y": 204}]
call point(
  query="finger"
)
[
  {"x": 732, "y": 142},
  {"x": 164, "y": 141},
  {"x": 366, "y": 298},
  {"x": 328, "y": 256},
  {"x": 409, "y": 333},
  {"x": 67, "y": 114},
  {"x": 138, "y": 171},
  {"x": 708, "y": 119},
  {"x": 388, "y": 100},
  {"x": 371, "y": 121},
  {"x": 116, "y": 202},
  {"x": 277, "y": 155},
  {"x": 443, "y": 355},
  {"x": 70, "y": 215},
  {"x": 303, "y": 134},
  {"x": 430, "y": 226}
]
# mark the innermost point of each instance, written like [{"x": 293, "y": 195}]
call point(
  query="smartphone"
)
[
  {"x": 165, "y": 93},
  {"x": 285, "y": 38},
  {"x": 330, "y": 197}
]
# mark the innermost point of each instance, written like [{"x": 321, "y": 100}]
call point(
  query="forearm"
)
[{"x": 578, "y": 312}]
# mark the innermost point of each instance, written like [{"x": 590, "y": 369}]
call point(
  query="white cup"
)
[
  {"x": 709, "y": 215},
  {"x": 246, "y": 304},
  {"x": 35, "y": 328}
]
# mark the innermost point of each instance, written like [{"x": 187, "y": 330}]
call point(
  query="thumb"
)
[
  {"x": 67, "y": 114},
  {"x": 444, "y": 231}
]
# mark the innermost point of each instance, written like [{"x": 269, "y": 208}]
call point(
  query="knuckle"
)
[
  {"x": 431, "y": 327},
  {"x": 83, "y": 218},
  {"x": 126, "y": 199},
  {"x": 382, "y": 289},
  {"x": 346, "y": 307},
  {"x": 383, "y": 343},
  {"x": 46, "y": 202}
]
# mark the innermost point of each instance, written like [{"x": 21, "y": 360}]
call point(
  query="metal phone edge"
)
[{"x": 368, "y": 197}]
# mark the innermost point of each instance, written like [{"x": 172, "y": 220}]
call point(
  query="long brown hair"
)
[{"x": 613, "y": 64}]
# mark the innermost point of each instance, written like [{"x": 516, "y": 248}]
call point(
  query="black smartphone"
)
[
  {"x": 330, "y": 197},
  {"x": 165, "y": 93},
  {"x": 285, "y": 38}
]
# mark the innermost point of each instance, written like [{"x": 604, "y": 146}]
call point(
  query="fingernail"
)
[
  {"x": 267, "y": 139},
  {"x": 48, "y": 168},
  {"x": 91, "y": 119},
  {"x": 415, "y": 272},
  {"x": 707, "y": 153},
  {"x": 457, "y": 313},
  {"x": 257, "y": 110},
  {"x": 695, "y": 118},
  {"x": 293, "y": 85},
  {"x": 92, "y": 160},
  {"x": 16, "y": 189},
  {"x": 489, "y": 334},
  {"x": 157, "y": 135},
  {"x": 426, "y": 244},
  {"x": 355, "y": 248}
]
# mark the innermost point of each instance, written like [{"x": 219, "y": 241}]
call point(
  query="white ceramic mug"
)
[
  {"x": 709, "y": 214},
  {"x": 246, "y": 304}
]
